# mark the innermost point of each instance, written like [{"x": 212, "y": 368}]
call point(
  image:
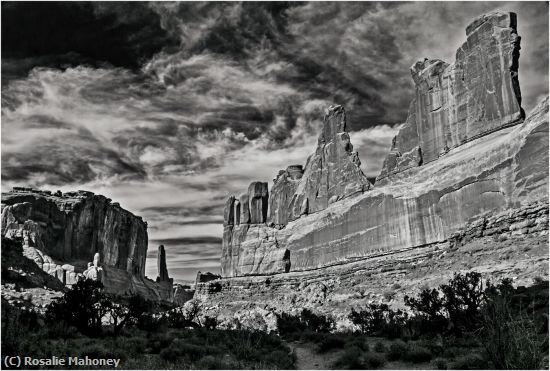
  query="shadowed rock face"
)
[
  {"x": 161, "y": 265},
  {"x": 75, "y": 226},
  {"x": 457, "y": 103}
]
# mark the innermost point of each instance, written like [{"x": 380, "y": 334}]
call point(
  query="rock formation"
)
[
  {"x": 76, "y": 225},
  {"x": 61, "y": 231},
  {"x": 161, "y": 265},
  {"x": 464, "y": 152},
  {"x": 205, "y": 277},
  {"x": 332, "y": 173},
  {"x": 457, "y": 103}
]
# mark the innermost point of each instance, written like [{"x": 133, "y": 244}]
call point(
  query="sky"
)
[{"x": 169, "y": 107}]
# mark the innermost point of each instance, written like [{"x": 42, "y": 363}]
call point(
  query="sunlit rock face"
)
[
  {"x": 61, "y": 233},
  {"x": 76, "y": 225},
  {"x": 456, "y": 103},
  {"x": 333, "y": 172},
  {"x": 465, "y": 151},
  {"x": 250, "y": 240}
]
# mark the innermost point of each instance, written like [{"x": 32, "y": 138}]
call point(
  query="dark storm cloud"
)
[
  {"x": 169, "y": 107},
  {"x": 57, "y": 34}
]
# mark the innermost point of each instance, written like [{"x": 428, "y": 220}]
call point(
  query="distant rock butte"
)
[
  {"x": 464, "y": 151},
  {"x": 457, "y": 103},
  {"x": 63, "y": 231}
]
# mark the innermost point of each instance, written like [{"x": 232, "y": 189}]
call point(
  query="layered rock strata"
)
[
  {"x": 61, "y": 232},
  {"x": 457, "y": 103},
  {"x": 76, "y": 225},
  {"x": 509, "y": 244},
  {"x": 493, "y": 161},
  {"x": 332, "y": 173}
]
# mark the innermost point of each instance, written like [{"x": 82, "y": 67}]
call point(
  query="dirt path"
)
[{"x": 308, "y": 359}]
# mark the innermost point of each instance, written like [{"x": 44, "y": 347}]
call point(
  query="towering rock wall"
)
[
  {"x": 457, "y": 103},
  {"x": 470, "y": 112},
  {"x": 251, "y": 221},
  {"x": 75, "y": 226},
  {"x": 62, "y": 232}
]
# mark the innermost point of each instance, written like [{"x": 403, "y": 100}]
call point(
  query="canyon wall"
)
[
  {"x": 476, "y": 95},
  {"x": 465, "y": 151},
  {"x": 76, "y": 225},
  {"x": 77, "y": 235}
]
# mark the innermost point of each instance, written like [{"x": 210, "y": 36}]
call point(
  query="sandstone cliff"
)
[
  {"x": 76, "y": 225},
  {"x": 61, "y": 233},
  {"x": 457, "y": 103},
  {"x": 465, "y": 152}
]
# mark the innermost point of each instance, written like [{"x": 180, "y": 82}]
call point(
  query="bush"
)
[
  {"x": 440, "y": 363},
  {"x": 379, "y": 320},
  {"x": 379, "y": 347},
  {"x": 511, "y": 340},
  {"x": 374, "y": 360},
  {"x": 211, "y": 363},
  {"x": 290, "y": 324},
  {"x": 469, "y": 362},
  {"x": 418, "y": 354},
  {"x": 397, "y": 350},
  {"x": 82, "y": 307},
  {"x": 210, "y": 323},
  {"x": 170, "y": 354},
  {"x": 350, "y": 360},
  {"x": 316, "y": 322},
  {"x": 330, "y": 343},
  {"x": 360, "y": 342}
]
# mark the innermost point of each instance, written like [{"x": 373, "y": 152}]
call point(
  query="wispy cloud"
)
[{"x": 213, "y": 96}]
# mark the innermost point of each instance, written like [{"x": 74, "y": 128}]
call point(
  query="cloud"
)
[{"x": 190, "y": 102}]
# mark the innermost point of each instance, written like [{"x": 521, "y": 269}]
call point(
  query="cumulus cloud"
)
[{"x": 199, "y": 99}]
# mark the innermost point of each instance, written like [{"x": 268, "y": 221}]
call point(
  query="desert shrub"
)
[
  {"x": 210, "y": 323},
  {"x": 330, "y": 342},
  {"x": 170, "y": 354},
  {"x": 440, "y": 363},
  {"x": 360, "y": 342},
  {"x": 374, "y": 360},
  {"x": 472, "y": 361},
  {"x": 379, "y": 320},
  {"x": 510, "y": 334},
  {"x": 316, "y": 322},
  {"x": 351, "y": 359},
  {"x": 455, "y": 306},
  {"x": 82, "y": 307},
  {"x": 464, "y": 295},
  {"x": 397, "y": 350},
  {"x": 134, "y": 345},
  {"x": 210, "y": 362},
  {"x": 379, "y": 347},
  {"x": 417, "y": 354},
  {"x": 289, "y": 324}
]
